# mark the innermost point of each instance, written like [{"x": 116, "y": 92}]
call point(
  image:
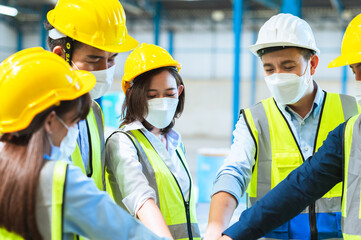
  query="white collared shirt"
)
[{"x": 122, "y": 159}]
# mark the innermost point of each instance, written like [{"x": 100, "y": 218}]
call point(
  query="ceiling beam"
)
[
  {"x": 138, "y": 7},
  {"x": 338, "y": 5},
  {"x": 273, "y": 4}
]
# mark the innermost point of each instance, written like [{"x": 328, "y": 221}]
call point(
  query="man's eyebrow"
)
[
  {"x": 288, "y": 61},
  {"x": 267, "y": 65}
]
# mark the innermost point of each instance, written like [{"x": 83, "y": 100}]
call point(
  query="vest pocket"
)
[{"x": 284, "y": 163}]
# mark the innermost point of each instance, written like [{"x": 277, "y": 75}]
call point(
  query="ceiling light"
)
[
  {"x": 217, "y": 15},
  {"x": 10, "y": 11}
]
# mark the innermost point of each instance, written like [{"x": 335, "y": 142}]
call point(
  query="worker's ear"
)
[
  {"x": 58, "y": 50},
  {"x": 180, "y": 89},
  {"x": 314, "y": 63},
  {"x": 49, "y": 122}
]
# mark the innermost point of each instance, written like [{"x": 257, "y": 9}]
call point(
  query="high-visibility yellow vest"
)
[
  {"x": 351, "y": 201},
  {"x": 178, "y": 212},
  {"x": 95, "y": 127},
  {"x": 57, "y": 196},
  {"x": 278, "y": 153}
]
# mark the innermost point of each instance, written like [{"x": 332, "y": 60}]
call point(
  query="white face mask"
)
[
  {"x": 289, "y": 88},
  {"x": 67, "y": 145},
  {"x": 161, "y": 111},
  {"x": 104, "y": 80},
  {"x": 357, "y": 89}
]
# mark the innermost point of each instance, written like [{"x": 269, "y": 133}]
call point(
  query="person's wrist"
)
[
  {"x": 214, "y": 231},
  {"x": 225, "y": 237}
]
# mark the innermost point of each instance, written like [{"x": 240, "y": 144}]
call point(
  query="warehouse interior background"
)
[{"x": 210, "y": 38}]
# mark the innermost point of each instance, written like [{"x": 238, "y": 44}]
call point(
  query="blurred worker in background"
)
[
  {"x": 275, "y": 136},
  {"x": 41, "y": 196},
  {"x": 88, "y": 35},
  {"x": 339, "y": 159},
  {"x": 350, "y": 55},
  {"x": 145, "y": 158}
]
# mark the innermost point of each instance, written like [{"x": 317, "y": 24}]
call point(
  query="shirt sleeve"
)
[
  {"x": 309, "y": 182},
  {"x": 123, "y": 162},
  {"x": 91, "y": 213},
  {"x": 236, "y": 172}
]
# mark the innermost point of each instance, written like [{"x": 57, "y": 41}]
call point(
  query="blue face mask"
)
[{"x": 67, "y": 145}]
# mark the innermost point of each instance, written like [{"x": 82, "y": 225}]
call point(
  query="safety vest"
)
[
  {"x": 56, "y": 172},
  {"x": 278, "y": 153},
  {"x": 179, "y": 213},
  {"x": 95, "y": 128},
  {"x": 351, "y": 211}
]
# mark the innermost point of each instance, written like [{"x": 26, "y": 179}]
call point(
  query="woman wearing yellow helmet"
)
[
  {"x": 42, "y": 99},
  {"x": 146, "y": 166}
]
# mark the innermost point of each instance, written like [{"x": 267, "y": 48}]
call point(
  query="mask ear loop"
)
[
  {"x": 62, "y": 122},
  {"x": 304, "y": 72}
]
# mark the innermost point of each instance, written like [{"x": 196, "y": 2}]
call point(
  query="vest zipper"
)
[
  {"x": 186, "y": 203},
  {"x": 312, "y": 219},
  {"x": 90, "y": 163},
  {"x": 312, "y": 207},
  {"x": 186, "y": 206}
]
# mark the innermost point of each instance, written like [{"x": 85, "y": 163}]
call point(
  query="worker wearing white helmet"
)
[
  {"x": 277, "y": 135},
  {"x": 338, "y": 160}
]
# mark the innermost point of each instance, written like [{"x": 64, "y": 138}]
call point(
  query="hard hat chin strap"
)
[{"x": 69, "y": 44}]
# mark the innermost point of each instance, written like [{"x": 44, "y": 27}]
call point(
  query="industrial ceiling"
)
[{"x": 31, "y": 10}]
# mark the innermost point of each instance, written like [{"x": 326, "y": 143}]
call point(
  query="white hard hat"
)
[{"x": 285, "y": 30}]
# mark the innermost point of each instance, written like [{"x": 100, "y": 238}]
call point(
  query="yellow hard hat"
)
[
  {"x": 33, "y": 80},
  {"x": 98, "y": 23},
  {"x": 351, "y": 45},
  {"x": 144, "y": 58}
]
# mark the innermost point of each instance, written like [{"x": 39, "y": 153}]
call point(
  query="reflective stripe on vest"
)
[
  {"x": 179, "y": 213},
  {"x": 57, "y": 198},
  {"x": 59, "y": 176},
  {"x": 278, "y": 153},
  {"x": 351, "y": 210},
  {"x": 96, "y": 157}
]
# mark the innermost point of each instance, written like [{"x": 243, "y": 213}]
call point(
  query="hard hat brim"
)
[
  {"x": 128, "y": 44},
  {"x": 83, "y": 83},
  {"x": 256, "y": 47},
  {"x": 343, "y": 60},
  {"x": 126, "y": 80}
]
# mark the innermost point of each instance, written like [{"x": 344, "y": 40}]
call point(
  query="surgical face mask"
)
[
  {"x": 104, "y": 80},
  {"x": 289, "y": 88},
  {"x": 67, "y": 145},
  {"x": 161, "y": 111},
  {"x": 357, "y": 90}
]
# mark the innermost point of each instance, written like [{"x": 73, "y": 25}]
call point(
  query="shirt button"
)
[
  {"x": 302, "y": 123},
  {"x": 305, "y": 149}
]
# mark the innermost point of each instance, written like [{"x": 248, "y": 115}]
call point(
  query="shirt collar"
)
[
  {"x": 317, "y": 104},
  {"x": 136, "y": 125}
]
